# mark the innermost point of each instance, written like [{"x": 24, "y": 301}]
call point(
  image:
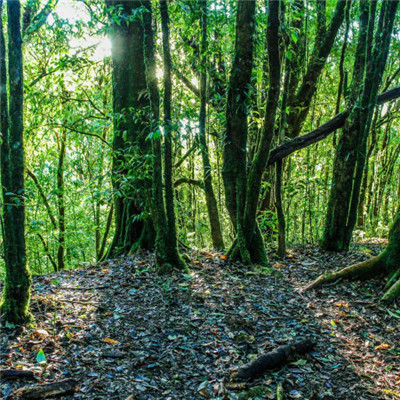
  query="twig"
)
[{"x": 83, "y": 288}]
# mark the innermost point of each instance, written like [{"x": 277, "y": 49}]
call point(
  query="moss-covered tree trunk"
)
[
  {"x": 299, "y": 104},
  {"x": 14, "y": 304},
  {"x": 61, "y": 202},
  {"x": 234, "y": 152},
  {"x": 167, "y": 256},
  {"x": 213, "y": 215},
  {"x": 387, "y": 264},
  {"x": 242, "y": 189},
  {"x": 234, "y": 170},
  {"x": 299, "y": 91},
  {"x": 351, "y": 151},
  {"x": 131, "y": 184}
]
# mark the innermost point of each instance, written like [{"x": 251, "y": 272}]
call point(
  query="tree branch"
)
[
  {"x": 189, "y": 181},
  {"x": 186, "y": 155},
  {"x": 70, "y": 128},
  {"x": 32, "y": 25},
  {"x": 39, "y": 187},
  {"x": 324, "y": 130}
]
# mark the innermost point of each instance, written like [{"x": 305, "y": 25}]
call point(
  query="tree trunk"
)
[
  {"x": 133, "y": 226},
  {"x": 211, "y": 201},
  {"x": 242, "y": 189},
  {"x": 351, "y": 153},
  {"x": 279, "y": 211},
  {"x": 61, "y": 203},
  {"x": 299, "y": 105},
  {"x": 234, "y": 152},
  {"x": 14, "y": 304},
  {"x": 167, "y": 256}
]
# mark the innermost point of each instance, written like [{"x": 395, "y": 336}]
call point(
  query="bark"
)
[
  {"x": 61, "y": 203},
  {"x": 168, "y": 127},
  {"x": 14, "y": 304},
  {"x": 387, "y": 263},
  {"x": 167, "y": 256},
  {"x": 249, "y": 246},
  {"x": 133, "y": 225},
  {"x": 42, "y": 194},
  {"x": 342, "y": 59},
  {"x": 351, "y": 152},
  {"x": 235, "y": 141},
  {"x": 323, "y": 131},
  {"x": 106, "y": 232},
  {"x": 213, "y": 215},
  {"x": 300, "y": 105},
  {"x": 279, "y": 211},
  {"x": 43, "y": 391},
  {"x": 274, "y": 358}
]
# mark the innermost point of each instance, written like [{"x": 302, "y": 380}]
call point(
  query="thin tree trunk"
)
[
  {"x": 167, "y": 256},
  {"x": 211, "y": 201},
  {"x": 168, "y": 126},
  {"x": 42, "y": 194},
  {"x": 106, "y": 232},
  {"x": 299, "y": 107},
  {"x": 279, "y": 211},
  {"x": 61, "y": 203}
]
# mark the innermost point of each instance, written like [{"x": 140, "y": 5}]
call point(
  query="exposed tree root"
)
[
  {"x": 393, "y": 292},
  {"x": 365, "y": 270},
  {"x": 360, "y": 270}
]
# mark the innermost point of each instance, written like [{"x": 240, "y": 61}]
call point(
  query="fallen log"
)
[
  {"x": 274, "y": 359},
  {"x": 12, "y": 374},
  {"x": 46, "y": 390}
]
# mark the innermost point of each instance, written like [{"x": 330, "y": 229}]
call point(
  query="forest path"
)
[{"x": 125, "y": 333}]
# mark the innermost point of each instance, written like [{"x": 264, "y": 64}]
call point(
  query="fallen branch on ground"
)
[
  {"x": 43, "y": 391},
  {"x": 274, "y": 359},
  {"x": 12, "y": 374}
]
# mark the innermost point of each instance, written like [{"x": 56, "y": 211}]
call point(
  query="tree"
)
[
  {"x": 242, "y": 188},
  {"x": 133, "y": 224},
  {"x": 351, "y": 151},
  {"x": 14, "y": 304},
  {"x": 162, "y": 206},
  {"x": 298, "y": 94},
  {"x": 211, "y": 201},
  {"x": 387, "y": 263}
]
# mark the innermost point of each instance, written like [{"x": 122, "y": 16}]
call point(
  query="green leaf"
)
[
  {"x": 40, "y": 357},
  {"x": 300, "y": 362},
  {"x": 392, "y": 314},
  {"x": 294, "y": 37}
]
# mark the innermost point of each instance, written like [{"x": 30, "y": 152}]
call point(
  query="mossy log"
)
[
  {"x": 61, "y": 388},
  {"x": 274, "y": 359},
  {"x": 14, "y": 374}
]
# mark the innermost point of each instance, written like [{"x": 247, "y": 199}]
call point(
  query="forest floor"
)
[{"x": 122, "y": 332}]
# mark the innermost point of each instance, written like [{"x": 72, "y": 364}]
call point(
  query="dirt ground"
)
[{"x": 122, "y": 332}]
